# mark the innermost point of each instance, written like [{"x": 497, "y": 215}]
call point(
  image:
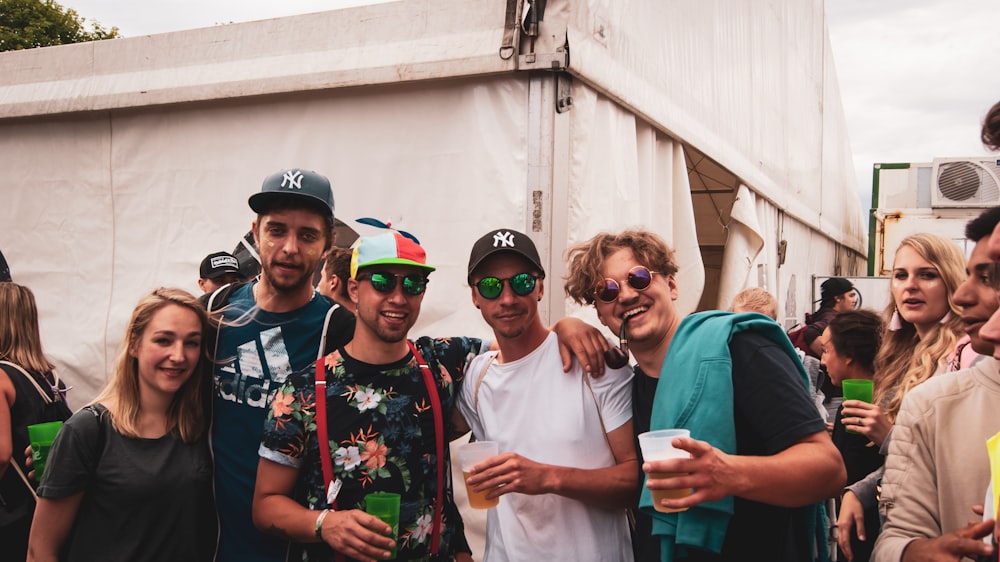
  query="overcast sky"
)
[{"x": 915, "y": 78}]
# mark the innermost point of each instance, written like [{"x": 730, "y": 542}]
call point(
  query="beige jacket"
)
[{"x": 937, "y": 467}]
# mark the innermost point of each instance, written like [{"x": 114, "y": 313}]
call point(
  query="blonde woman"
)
[
  {"x": 923, "y": 326},
  {"x": 129, "y": 477},
  {"x": 30, "y": 393}
]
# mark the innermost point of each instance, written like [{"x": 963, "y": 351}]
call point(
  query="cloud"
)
[{"x": 915, "y": 79}]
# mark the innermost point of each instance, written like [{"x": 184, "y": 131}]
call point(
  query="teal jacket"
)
[{"x": 699, "y": 397}]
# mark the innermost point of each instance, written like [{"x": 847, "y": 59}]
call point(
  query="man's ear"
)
[
  {"x": 256, "y": 238},
  {"x": 672, "y": 286},
  {"x": 352, "y": 290}
]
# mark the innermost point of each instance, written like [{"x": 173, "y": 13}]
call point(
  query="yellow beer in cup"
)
[
  {"x": 469, "y": 455},
  {"x": 657, "y": 446}
]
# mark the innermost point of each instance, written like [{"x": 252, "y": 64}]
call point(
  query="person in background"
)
[
  {"x": 757, "y": 471},
  {"x": 836, "y": 295},
  {"x": 850, "y": 342},
  {"x": 990, "y": 135},
  {"x": 990, "y": 131},
  {"x": 923, "y": 326},
  {"x": 938, "y": 467},
  {"x": 30, "y": 393},
  {"x": 567, "y": 467},
  {"x": 129, "y": 478},
  {"x": 336, "y": 271},
  {"x": 756, "y": 299},
  {"x": 218, "y": 269}
]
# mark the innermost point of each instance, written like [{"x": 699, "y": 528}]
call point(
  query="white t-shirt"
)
[{"x": 531, "y": 407}]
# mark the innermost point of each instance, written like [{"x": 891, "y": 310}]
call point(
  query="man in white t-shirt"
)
[{"x": 567, "y": 467}]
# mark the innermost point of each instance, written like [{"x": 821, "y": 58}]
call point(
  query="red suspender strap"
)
[
  {"x": 323, "y": 436},
  {"x": 439, "y": 443},
  {"x": 322, "y": 431}
]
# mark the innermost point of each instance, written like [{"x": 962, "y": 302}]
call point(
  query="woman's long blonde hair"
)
[
  {"x": 20, "y": 339},
  {"x": 905, "y": 360},
  {"x": 121, "y": 395}
]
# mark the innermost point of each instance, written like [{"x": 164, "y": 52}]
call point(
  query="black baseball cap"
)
[
  {"x": 504, "y": 240},
  {"x": 218, "y": 264},
  {"x": 834, "y": 287}
]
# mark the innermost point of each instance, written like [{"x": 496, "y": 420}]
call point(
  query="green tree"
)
[{"x": 25, "y": 24}]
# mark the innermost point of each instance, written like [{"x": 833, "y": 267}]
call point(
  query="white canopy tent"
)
[{"x": 717, "y": 125}]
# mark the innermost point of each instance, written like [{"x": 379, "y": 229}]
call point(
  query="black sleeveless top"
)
[{"x": 29, "y": 408}]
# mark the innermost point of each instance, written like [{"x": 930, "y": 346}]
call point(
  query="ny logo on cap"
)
[
  {"x": 294, "y": 179},
  {"x": 503, "y": 240}
]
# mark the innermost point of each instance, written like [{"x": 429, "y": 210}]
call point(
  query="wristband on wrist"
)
[{"x": 319, "y": 522}]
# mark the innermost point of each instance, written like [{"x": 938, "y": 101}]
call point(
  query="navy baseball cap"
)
[{"x": 306, "y": 186}]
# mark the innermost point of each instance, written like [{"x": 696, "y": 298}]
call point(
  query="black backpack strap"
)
[
  {"x": 214, "y": 303},
  {"x": 220, "y": 297},
  {"x": 99, "y": 412},
  {"x": 338, "y": 329}
]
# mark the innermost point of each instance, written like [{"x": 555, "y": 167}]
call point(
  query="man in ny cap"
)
[
  {"x": 270, "y": 328},
  {"x": 383, "y": 395},
  {"x": 568, "y": 467},
  {"x": 218, "y": 269}
]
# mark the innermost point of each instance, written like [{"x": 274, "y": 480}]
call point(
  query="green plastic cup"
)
[
  {"x": 857, "y": 389},
  {"x": 41, "y": 436},
  {"x": 385, "y": 506}
]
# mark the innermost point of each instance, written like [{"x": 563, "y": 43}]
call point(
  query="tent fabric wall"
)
[
  {"x": 751, "y": 84},
  {"x": 743, "y": 245},
  {"x": 624, "y": 174},
  {"x": 155, "y": 191},
  {"x": 123, "y": 202}
]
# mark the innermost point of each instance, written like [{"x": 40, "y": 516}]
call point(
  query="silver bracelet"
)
[{"x": 319, "y": 522}]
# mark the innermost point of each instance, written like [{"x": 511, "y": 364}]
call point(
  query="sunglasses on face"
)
[
  {"x": 522, "y": 284},
  {"x": 639, "y": 278},
  {"x": 413, "y": 284}
]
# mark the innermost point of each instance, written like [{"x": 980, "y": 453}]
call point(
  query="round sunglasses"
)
[
  {"x": 639, "y": 278},
  {"x": 522, "y": 284},
  {"x": 413, "y": 284}
]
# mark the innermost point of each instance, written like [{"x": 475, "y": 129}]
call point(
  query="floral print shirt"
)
[{"x": 381, "y": 431}]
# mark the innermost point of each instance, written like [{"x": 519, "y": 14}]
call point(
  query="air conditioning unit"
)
[{"x": 970, "y": 182}]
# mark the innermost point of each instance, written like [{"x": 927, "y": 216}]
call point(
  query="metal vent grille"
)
[{"x": 968, "y": 183}]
